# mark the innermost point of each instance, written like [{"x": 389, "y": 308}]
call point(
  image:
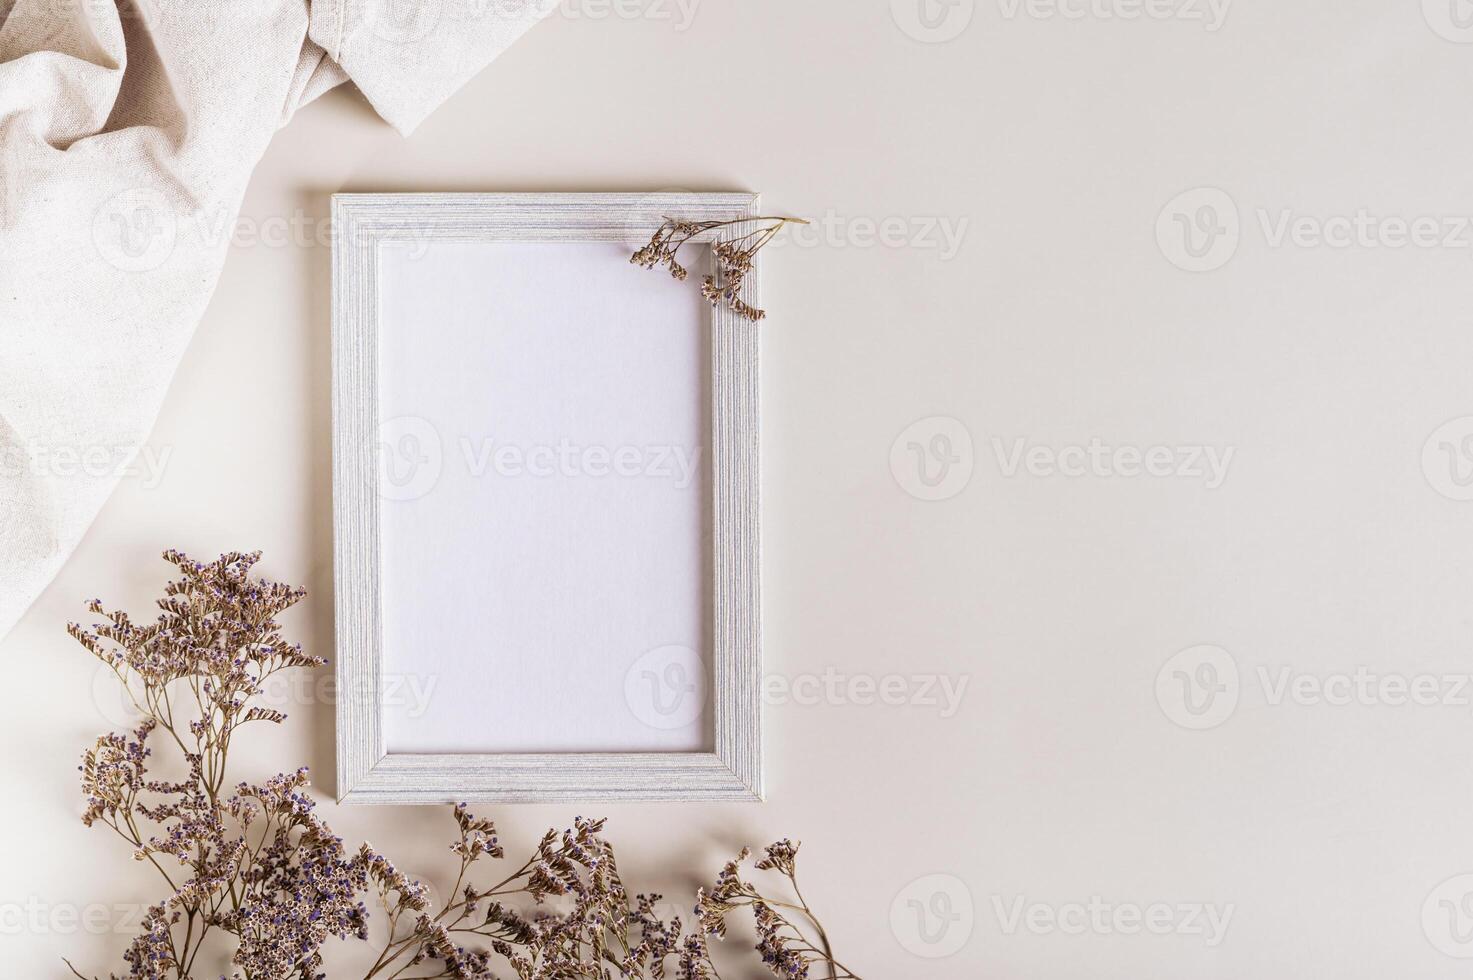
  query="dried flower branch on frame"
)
[
  {"x": 733, "y": 256},
  {"x": 256, "y": 870}
]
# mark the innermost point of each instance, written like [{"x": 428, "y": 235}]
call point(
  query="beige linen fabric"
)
[{"x": 128, "y": 131}]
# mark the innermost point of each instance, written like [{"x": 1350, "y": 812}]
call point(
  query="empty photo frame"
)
[{"x": 545, "y": 504}]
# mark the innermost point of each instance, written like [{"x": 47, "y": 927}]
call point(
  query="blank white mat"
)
[{"x": 544, "y": 420}]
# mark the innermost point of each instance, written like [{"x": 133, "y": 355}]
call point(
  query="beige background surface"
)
[{"x": 1053, "y": 137}]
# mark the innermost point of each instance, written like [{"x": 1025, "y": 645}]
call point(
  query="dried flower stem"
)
[
  {"x": 733, "y": 256},
  {"x": 259, "y": 869}
]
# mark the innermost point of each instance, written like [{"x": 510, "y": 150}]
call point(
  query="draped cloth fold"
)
[{"x": 128, "y": 130}]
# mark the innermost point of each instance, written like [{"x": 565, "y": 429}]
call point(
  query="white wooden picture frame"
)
[{"x": 397, "y": 603}]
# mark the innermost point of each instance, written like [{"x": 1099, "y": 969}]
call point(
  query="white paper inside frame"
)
[{"x": 545, "y": 506}]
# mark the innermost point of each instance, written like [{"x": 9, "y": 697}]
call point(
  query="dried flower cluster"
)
[
  {"x": 253, "y": 871},
  {"x": 733, "y": 256}
]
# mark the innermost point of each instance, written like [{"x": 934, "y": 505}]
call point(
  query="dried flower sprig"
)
[
  {"x": 733, "y": 255},
  {"x": 257, "y": 869}
]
